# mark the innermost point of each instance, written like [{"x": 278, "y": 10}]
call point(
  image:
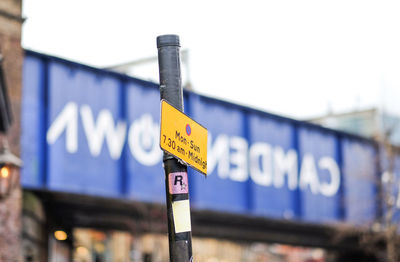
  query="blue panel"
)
[
  {"x": 78, "y": 93},
  {"x": 89, "y": 131},
  {"x": 396, "y": 188},
  {"x": 390, "y": 166},
  {"x": 318, "y": 173},
  {"x": 271, "y": 143},
  {"x": 32, "y": 106},
  {"x": 223, "y": 189},
  {"x": 360, "y": 181},
  {"x": 146, "y": 175}
]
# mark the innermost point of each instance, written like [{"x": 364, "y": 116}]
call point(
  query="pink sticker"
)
[{"x": 178, "y": 183}]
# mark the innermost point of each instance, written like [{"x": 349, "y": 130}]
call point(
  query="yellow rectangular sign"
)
[{"x": 182, "y": 137}]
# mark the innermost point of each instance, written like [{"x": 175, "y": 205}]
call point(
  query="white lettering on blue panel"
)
[{"x": 231, "y": 156}]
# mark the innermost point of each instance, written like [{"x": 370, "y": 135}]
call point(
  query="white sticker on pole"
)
[{"x": 181, "y": 213}]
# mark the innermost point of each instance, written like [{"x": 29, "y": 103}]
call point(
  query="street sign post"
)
[{"x": 176, "y": 179}]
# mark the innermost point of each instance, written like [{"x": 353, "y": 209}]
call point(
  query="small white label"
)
[{"x": 181, "y": 213}]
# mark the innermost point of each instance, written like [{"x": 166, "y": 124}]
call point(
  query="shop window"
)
[{"x": 115, "y": 246}]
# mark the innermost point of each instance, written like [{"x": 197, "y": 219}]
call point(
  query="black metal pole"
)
[{"x": 180, "y": 236}]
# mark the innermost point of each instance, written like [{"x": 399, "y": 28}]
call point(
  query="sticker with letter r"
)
[{"x": 178, "y": 183}]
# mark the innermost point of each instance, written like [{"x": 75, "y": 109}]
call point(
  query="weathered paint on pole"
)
[{"x": 176, "y": 180}]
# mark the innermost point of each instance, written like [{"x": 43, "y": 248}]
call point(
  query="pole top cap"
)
[{"x": 167, "y": 40}]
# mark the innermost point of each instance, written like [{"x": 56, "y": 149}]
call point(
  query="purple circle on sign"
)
[{"x": 188, "y": 130}]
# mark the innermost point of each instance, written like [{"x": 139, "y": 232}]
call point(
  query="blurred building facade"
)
[
  {"x": 12, "y": 59},
  {"x": 372, "y": 123},
  {"x": 147, "y": 69}
]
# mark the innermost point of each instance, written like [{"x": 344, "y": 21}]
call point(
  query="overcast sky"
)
[{"x": 295, "y": 58}]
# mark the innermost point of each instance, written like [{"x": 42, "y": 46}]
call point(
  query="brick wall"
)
[{"x": 10, "y": 48}]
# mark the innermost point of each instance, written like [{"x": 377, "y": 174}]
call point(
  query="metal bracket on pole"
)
[{"x": 178, "y": 209}]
